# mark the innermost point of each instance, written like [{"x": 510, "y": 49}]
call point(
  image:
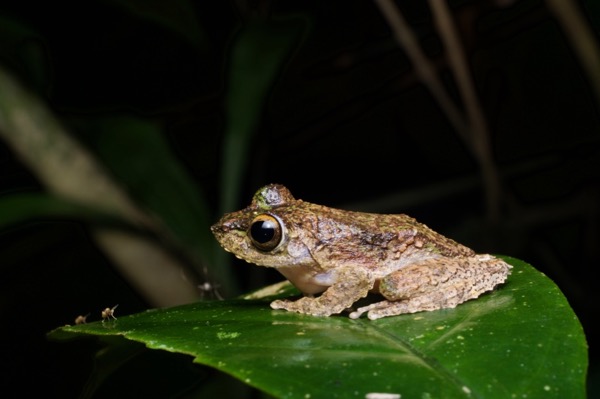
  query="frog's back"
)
[
  {"x": 369, "y": 238},
  {"x": 400, "y": 232}
]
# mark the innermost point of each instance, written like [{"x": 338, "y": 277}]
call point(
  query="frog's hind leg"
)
[{"x": 436, "y": 283}]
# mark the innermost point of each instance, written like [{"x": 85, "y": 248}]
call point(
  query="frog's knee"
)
[{"x": 403, "y": 284}]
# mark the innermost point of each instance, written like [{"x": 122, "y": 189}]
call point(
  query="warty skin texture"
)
[{"x": 344, "y": 255}]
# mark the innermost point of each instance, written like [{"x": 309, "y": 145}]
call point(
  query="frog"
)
[{"x": 337, "y": 257}]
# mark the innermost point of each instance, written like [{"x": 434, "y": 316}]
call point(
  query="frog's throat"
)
[{"x": 305, "y": 280}]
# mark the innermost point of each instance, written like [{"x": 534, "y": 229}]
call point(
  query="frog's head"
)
[{"x": 263, "y": 233}]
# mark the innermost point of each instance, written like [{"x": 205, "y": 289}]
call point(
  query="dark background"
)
[{"x": 347, "y": 124}]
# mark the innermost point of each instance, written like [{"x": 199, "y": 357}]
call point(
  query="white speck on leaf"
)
[{"x": 382, "y": 395}]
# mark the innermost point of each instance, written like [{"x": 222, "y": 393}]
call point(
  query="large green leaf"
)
[{"x": 522, "y": 340}]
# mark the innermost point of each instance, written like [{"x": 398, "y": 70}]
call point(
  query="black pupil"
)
[{"x": 263, "y": 231}]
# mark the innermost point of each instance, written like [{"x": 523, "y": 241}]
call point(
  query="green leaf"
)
[{"x": 522, "y": 340}]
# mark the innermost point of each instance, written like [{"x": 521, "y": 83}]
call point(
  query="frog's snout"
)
[
  {"x": 221, "y": 232},
  {"x": 219, "y": 229},
  {"x": 228, "y": 225}
]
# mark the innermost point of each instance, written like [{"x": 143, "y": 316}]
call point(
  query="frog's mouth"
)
[{"x": 229, "y": 232}]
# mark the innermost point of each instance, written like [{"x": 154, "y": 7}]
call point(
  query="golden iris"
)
[{"x": 265, "y": 232}]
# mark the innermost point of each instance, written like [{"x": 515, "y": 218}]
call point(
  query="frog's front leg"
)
[
  {"x": 350, "y": 285},
  {"x": 436, "y": 283}
]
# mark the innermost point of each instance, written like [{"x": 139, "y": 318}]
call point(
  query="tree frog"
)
[{"x": 336, "y": 257}]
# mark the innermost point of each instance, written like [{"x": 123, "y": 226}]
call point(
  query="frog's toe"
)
[
  {"x": 303, "y": 305},
  {"x": 392, "y": 310},
  {"x": 280, "y": 304},
  {"x": 356, "y": 314},
  {"x": 369, "y": 309}
]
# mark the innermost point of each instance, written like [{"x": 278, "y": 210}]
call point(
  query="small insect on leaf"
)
[
  {"x": 81, "y": 319},
  {"x": 210, "y": 290},
  {"x": 108, "y": 313}
]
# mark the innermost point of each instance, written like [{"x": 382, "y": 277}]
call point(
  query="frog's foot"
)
[
  {"x": 305, "y": 305},
  {"x": 393, "y": 308}
]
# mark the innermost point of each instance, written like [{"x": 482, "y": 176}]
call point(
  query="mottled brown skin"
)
[{"x": 343, "y": 255}]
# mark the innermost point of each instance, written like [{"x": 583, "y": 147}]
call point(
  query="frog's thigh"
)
[
  {"x": 435, "y": 284},
  {"x": 452, "y": 280}
]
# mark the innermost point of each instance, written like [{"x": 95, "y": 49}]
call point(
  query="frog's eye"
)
[{"x": 265, "y": 232}]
